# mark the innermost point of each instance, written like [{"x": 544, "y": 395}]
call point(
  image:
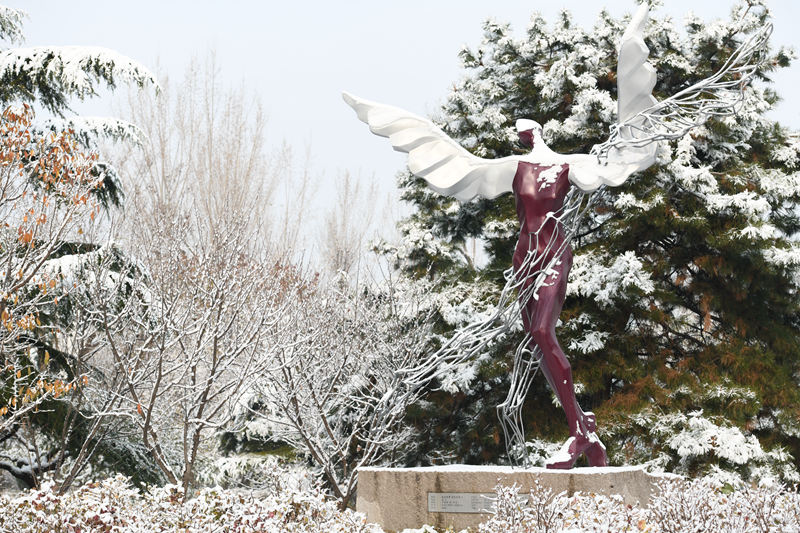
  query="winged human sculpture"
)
[{"x": 552, "y": 191}]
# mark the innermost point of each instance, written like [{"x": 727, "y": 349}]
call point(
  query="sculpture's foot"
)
[
  {"x": 574, "y": 448},
  {"x": 591, "y": 421},
  {"x": 596, "y": 454}
]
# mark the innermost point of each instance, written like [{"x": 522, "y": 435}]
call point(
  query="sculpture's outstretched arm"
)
[{"x": 447, "y": 167}]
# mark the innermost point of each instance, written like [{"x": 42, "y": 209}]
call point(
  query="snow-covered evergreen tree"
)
[
  {"x": 682, "y": 319},
  {"x": 54, "y": 189},
  {"x": 50, "y": 77}
]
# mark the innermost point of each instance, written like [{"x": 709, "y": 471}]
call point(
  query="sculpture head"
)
[{"x": 529, "y": 131}]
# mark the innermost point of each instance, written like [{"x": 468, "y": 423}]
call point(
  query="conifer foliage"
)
[
  {"x": 54, "y": 188},
  {"x": 681, "y": 320}
]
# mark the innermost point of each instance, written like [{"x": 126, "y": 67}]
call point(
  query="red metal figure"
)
[{"x": 535, "y": 200}]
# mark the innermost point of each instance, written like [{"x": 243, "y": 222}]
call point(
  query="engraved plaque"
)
[{"x": 460, "y": 502}]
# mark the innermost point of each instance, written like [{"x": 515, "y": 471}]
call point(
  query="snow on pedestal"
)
[{"x": 459, "y": 496}]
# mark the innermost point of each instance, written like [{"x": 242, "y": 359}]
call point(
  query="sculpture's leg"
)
[
  {"x": 526, "y": 363},
  {"x": 543, "y": 316}
]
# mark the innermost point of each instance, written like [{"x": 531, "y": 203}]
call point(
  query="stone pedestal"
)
[{"x": 458, "y": 495}]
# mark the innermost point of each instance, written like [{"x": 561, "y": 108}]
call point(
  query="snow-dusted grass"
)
[{"x": 113, "y": 505}]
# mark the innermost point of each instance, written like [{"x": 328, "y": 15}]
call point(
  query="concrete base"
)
[{"x": 451, "y": 496}]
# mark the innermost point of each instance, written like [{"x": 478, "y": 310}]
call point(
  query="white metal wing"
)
[
  {"x": 451, "y": 170},
  {"x": 448, "y": 168},
  {"x": 642, "y": 120},
  {"x": 636, "y": 78}
]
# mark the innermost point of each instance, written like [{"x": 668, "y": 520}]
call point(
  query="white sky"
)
[{"x": 299, "y": 55}]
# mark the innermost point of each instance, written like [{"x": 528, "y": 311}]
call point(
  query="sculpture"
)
[{"x": 549, "y": 211}]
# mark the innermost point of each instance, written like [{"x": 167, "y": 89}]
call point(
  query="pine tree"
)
[
  {"x": 682, "y": 319},
  {"x": 49, "y": 78},
  {"x": 54, "y": 186}
]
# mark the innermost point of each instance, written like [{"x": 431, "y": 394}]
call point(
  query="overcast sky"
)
[{"x": 299, "y": 55}]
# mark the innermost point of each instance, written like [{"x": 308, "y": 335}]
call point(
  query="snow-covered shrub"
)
[
  {"x": 544, "y": 511},
  {"x": 701, "y": 505},
  {"x": 263, "y": 472},
  {"x": 113, "y": 505},
  {"x": 700, "y": 444},
  {"x": 547, "y": 512}
]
